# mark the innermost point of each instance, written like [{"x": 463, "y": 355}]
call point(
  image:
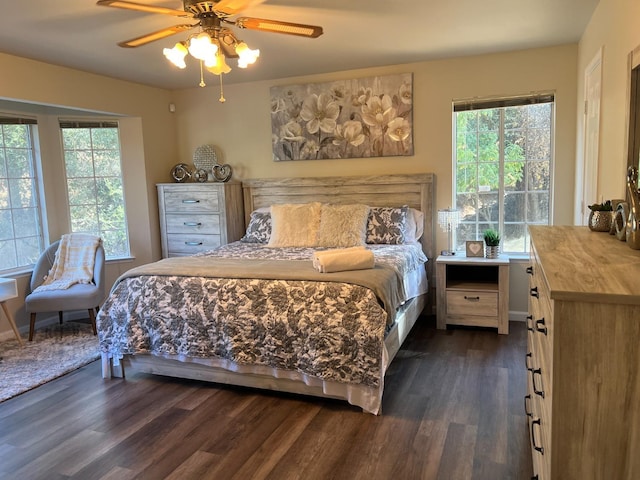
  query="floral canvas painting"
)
[{"x": 366, "y": 117}]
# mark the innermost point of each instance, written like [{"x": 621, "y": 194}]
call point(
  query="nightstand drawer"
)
[{"x": 472, "y": 302}]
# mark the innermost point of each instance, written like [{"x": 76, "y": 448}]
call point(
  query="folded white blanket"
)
[
  {"x": 73, "y": 262},
  {"x": 341, "y": 259}
]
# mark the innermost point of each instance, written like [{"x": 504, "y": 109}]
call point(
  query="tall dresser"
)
[
  {"x": 195, "y": 217},
  {"x": 583, "y": 358}
]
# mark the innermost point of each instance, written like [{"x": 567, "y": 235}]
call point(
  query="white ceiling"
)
[{"x": 357, "y": 34}]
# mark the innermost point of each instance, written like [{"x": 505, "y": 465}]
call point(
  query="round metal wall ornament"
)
[
  {"x": 205, "y": 157},
  {"x": 181, "y": 173}
]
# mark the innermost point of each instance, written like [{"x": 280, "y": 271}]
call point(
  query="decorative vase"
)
[
  {"x": 633, "y": 230},
  {"x": 600, "y": 220},
  {"x": 492, "y": 251}
]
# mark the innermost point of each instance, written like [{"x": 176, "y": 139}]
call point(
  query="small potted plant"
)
[
  {"x": 601, "y": 216},
  {"x": 492, "y": 240}
]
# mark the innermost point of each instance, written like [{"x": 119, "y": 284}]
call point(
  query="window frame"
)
[
  {"x": 66, "y": 123},
  {"x": 37, "y": 189},
  {"x": 502, "y": 103}
]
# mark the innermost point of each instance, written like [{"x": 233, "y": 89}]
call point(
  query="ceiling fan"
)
[{"x": 211, "y": 15}]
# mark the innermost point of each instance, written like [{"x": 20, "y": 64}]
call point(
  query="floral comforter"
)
[{"x": 333, "y": 331}]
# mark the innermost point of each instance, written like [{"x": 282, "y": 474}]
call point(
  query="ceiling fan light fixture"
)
[
  {"x": 220, "y": 66},
  {"x": 246, "y": 55},
  {"x": 201, "y": 46},
  {"x": 176, "y": 54}
]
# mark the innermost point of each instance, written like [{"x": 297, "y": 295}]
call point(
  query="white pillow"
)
[
  {"x": 343, "y": 225},
  {"x": 415, "y": 225},
  {"x": 295, "y": 225}
]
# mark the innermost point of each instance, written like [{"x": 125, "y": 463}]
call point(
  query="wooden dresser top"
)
[{"x": 585, "y": 266}]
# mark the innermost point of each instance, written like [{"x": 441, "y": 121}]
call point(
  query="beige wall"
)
[
  {"x": 614, "y": 28},
  {"x": 144, "y": 163},
  {"x": 241, "y": 126}
]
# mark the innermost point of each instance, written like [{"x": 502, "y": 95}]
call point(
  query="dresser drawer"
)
[
  {"x": 189, "y": 223},
  {"x": 189, "y": 244},
  {"x": 472, "y": 302},
  {"x": 191, "y": 200}
]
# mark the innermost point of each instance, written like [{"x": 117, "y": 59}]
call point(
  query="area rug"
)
[{"x": 54, "y": 351}]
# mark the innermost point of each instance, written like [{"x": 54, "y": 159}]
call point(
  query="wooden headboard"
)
[{"x": 416, "y": 191}]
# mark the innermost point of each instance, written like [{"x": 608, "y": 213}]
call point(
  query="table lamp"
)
[{"x": 448, "y": 220}]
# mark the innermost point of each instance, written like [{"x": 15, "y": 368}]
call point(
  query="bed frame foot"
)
[{"x": 109, "y": 370}]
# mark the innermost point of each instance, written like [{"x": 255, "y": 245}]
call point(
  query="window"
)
[
  {"x": 502, "y": 175},
  {"x": 94, "y": 183},
  {"x": 21, "y": 233}
]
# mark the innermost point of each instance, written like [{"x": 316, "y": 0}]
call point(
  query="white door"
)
[{"x": 587, "y": 169}]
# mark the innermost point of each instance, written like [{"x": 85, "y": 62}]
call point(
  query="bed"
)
[{"x": 258, "y": 315}]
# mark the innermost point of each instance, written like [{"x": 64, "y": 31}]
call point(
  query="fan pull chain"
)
[
  {"x": 221, "y": 99},
  {"x": 202, "y": 84}
]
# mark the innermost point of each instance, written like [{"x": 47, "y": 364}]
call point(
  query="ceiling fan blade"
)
[
  {"x": 152, "y": 37},
  {"x": 264, "y": 25},
  {"x": 233, "y": 7},
  {"x": 142, "y": 7}
]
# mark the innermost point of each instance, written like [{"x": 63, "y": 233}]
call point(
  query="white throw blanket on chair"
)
[{"x": 73, "y": 262}]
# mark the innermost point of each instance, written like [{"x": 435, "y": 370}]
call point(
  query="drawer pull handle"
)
[
  {"x": 530, "y": 270},
  {"x": 192, "y": 224},
  {"x": 533, "y": 436},
  {"x": 536, "y": 390},
  {"x": 472, "y": 299},
  {"x": 190, "y": 201},
  {"x": 193, "y": 244},
  {"x": 534, "y": 292},
  {"x": 527, "y": 399},
  {"x": 540, "y": 326},
  {"x": 528, "y": 357},
  {"x": 529, "y": 319}
]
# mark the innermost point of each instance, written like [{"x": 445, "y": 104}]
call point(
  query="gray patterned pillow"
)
[
  {"x": 259, "y": 229},
  {"x": 387, "y": 225}
]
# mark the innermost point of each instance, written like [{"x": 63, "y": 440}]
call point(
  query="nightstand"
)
[{"x": 473, "y": 291}]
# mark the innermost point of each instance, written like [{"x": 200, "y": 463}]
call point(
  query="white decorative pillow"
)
[
  {"x": 295, "y": 225},
  {"x": 343, "y": 225}
]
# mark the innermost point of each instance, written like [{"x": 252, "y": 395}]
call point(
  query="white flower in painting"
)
[
  {"x": 277, "y": 105},
  {"x": 320, "y": 112},
  {"x": 398, "y": 129},
  {"x": 378, "y": 111},
  {"x": 292, "y": 132},
  {"x": 349, "y": 132},
  {"x": 406, "y": 96},
  {"x": 362, "y": 97},
  {"x": 310, "y": 149}
]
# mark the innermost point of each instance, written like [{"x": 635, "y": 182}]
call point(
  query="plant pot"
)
[
  {"x": 600, "y": 220},
  {"x": 492, "y": 251}
]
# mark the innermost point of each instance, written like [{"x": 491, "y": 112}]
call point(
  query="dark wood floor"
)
[{"x": 452, "y": 409}]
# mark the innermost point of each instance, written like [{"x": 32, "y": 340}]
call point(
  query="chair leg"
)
[
  {"x": 60, "y": 317},
  {"x": 92, "y": 316},
  {"x": 32, "y": 325}
]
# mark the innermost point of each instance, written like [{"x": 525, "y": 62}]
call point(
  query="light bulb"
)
[{"x": 176, "y": 54}]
